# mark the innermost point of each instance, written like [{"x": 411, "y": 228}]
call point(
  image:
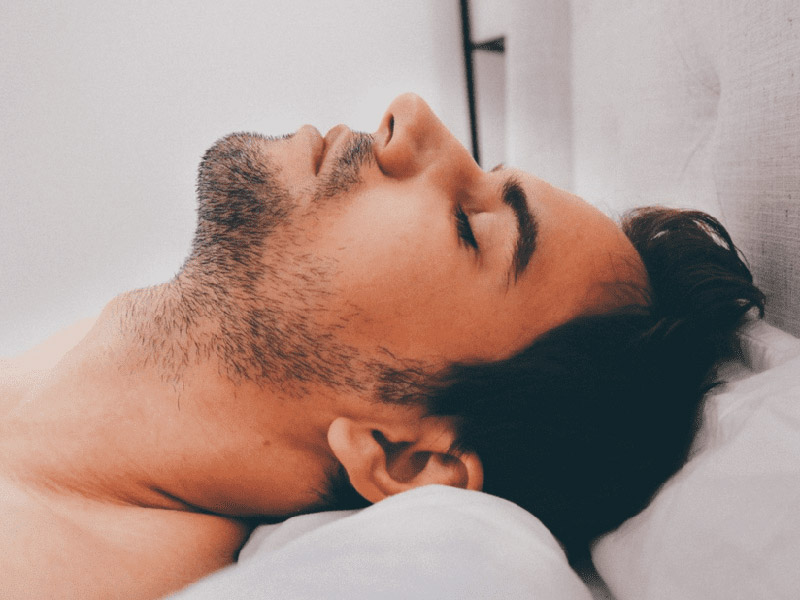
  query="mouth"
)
[{"x": 323, "y": 152}]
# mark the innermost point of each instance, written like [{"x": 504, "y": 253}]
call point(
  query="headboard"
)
[{"x": 675, "y": 102}]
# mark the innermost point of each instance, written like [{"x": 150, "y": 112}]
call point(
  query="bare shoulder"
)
[
  {"x": 47, "y": 354},
  {"x": 18, "y": 374},
  {"x": 106, "y": 551}
]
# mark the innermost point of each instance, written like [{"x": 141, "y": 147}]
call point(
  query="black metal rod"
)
[
  {"x": 467, "y": 39},
  {"x": 497, "y": 45}
]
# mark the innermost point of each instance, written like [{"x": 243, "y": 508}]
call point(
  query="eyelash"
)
[{"x": 464, "y": 229}]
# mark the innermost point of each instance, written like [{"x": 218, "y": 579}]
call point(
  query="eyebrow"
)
[{"x": 527, "y": 227}]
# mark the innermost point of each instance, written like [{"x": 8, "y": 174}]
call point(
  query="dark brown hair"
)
[{"x": 584, "y": 425}]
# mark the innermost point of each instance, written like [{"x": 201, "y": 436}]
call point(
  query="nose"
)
[{"x": 412, "y": 140}]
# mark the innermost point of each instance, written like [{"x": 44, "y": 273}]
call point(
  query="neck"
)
[{"x": 138, "y": 413}]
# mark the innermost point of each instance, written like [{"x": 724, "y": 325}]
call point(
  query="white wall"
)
[
  {"x": 533, "y": 79},
  {"x": 107, "y": 107}
]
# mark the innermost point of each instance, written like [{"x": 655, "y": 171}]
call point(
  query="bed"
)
[{"x": 689, "y": 104}]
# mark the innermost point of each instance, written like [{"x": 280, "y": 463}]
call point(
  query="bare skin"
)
[
  {"x": 61, "y": 539},
  {"x": 116, "y": 484},
  {"x": 136, "y": 449}
]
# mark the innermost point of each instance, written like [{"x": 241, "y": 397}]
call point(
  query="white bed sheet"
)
[
  {"x": 432, "y": 542},
  {"x": 727, "y": 526}
]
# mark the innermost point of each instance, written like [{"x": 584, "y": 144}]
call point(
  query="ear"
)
[{"x": 383, "y": 460}]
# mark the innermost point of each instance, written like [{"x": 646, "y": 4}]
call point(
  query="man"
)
[{"x": 358, "y": 313}]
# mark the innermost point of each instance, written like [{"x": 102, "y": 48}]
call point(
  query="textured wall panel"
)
[{"x": 696, "y": 104}]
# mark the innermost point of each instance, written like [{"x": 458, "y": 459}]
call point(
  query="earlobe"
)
[
  {"x": 385, "y": 460},
  {"x": 474, "y": 471},
  {"x": 359, "y": 453}
]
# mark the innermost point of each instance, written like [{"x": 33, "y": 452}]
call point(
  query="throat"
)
[
  {"x": 93, "y": 413},
  {"x": 106, "y": 427}
]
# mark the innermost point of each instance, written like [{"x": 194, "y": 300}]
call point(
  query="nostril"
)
[{"x": 391, "y": 128}]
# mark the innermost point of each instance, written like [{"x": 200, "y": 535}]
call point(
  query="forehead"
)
[{"x": 582, "y": 259}]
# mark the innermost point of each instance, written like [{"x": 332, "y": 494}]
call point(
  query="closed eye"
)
[{"x": 464, "y": 229}]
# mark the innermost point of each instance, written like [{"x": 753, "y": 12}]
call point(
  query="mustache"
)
[
  {"x": 357, "y": 152},
  {"x": 346, "y": 172}
]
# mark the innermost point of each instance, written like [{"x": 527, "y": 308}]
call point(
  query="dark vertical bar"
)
[{"x": 467, "y": 38}]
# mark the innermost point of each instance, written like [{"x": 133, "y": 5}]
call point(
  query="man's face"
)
[{"x": 407, "y": 246}]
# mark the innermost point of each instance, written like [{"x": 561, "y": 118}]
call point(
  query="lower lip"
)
[
  {"x": 330, "y": 138},
  {"x": 318, "y": 151},
  {"x": 308, "y": 135}
]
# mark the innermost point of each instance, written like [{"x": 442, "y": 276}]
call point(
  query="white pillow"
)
[
  {"x": 431, "y": 542},
  {"x": 727, "y": 525}
]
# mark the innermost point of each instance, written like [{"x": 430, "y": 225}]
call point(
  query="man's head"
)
[
  {"x": 453, "y": 319},
  {"x": 416, "y": 250}
]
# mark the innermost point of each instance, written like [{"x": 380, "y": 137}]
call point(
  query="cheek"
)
[
  {"x": 398, "y": 262},
  {"x": 399, "y": 272},
  {"x": 417, "y": 305}
]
